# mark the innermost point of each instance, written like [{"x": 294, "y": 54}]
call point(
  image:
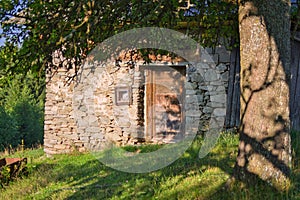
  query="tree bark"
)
[{"x": 264, "y": 147}]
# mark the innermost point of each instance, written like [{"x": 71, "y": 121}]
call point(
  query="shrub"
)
[
  {"x": 8, "y": 131},
  {"x": 24, "y": 113}
]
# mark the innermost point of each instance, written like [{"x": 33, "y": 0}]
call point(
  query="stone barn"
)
[{"x": 130, "y": 102}]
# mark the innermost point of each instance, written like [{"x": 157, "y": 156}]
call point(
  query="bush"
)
[
  {"x": 22, "y": 116},
  {"x": 28, "y": 120},
  {"x": 8, "y": 131}
]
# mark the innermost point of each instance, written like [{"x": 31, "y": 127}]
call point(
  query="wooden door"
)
[{"x": 164, "y": 102}]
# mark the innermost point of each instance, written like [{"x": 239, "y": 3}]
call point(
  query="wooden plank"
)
[
  {"x": 233, "y": 96},
  {"x": 295, "y": 103},
  {"x": 293, "y": 73},
  {"x": 296, "y": 108},
  {"x": 237, "y": 92},
  {"x": 293, "y": 83},
  {"x": 230, "y": 88},
  {"x": 149, "y": 100}
]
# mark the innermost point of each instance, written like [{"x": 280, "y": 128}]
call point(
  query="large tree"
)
[{"x": 264, "y": 148}]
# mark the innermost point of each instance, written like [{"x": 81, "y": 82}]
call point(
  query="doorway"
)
[{"x": 164, "y": 99}]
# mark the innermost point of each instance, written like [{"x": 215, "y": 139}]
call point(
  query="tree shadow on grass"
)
[
  {"x": 93, "y": 180},
  {"x": 187, "y": 178}
]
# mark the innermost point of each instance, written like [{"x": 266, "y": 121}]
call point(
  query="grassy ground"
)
[{"x": 81, "y": 176}]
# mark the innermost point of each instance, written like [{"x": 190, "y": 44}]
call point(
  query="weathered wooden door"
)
[{"x": 165, "y": 97}]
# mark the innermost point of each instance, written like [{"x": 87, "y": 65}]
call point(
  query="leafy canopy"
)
[{"x": 75, "y": 26}]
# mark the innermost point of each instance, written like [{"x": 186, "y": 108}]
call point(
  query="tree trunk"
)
[{"x": 264, "y": 148}]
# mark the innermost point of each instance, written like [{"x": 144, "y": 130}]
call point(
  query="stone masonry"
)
[{"x": 82, "y": 113}]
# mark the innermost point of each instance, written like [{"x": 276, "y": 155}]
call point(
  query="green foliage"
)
[
  {"x": 216, "y": 22},
  {"x": 6, "y": 63},
  {"x": 76, "y": 27},
  {"x": 21, "y": 113},
  {"x": 25, "y": 110},
  {"x": 295, "y": 140},
  {"x": 8, "y": 130},
  {"x": 5, "y": 175},
  {"x": 21, "y": 101}
]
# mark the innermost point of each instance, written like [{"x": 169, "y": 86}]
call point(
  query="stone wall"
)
[
  {"x": 60, "y": 129},
  {"x": 83, "y": 114}
]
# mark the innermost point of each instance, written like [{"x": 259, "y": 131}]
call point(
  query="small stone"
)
[{"x": 221, "y": 67}]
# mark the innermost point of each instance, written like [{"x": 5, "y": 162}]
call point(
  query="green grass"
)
[{"x": 81, "y": 176}]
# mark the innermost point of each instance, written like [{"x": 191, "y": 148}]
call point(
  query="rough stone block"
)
[
  {"x": 60, "y": 146},
  {"x": 211, "y": 75},
  {"x": 50, "y": 151},
  {"x": 220, "y": 98},
  {"x": 219, "y": 112},
  {"x": 93, "y": 130}
]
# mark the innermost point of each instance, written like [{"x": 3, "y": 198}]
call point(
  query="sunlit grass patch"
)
[
  {"x": 82, "y": 176},
  {"x": 197, "y": 185}
]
